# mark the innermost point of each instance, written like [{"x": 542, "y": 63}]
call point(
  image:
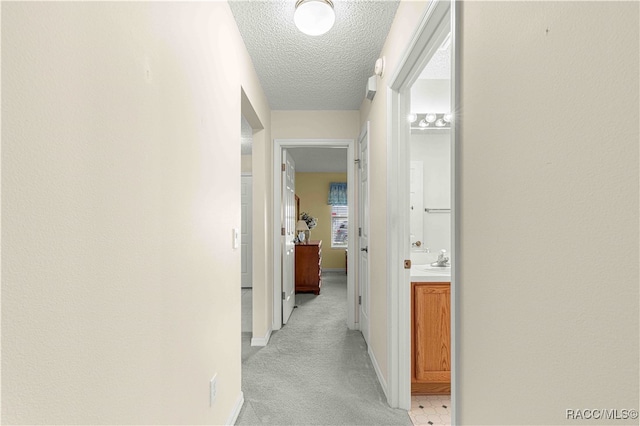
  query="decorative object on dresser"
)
[
  {"x": 309, "y": 266},
  {"x": 302, "y": 230},
  {"x": 431, "y": 338},
  {"x": 311, "y": 223}
]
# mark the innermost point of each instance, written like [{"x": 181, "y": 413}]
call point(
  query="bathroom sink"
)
[
  {"x": 434, "y": 268},
  {"x": 426, "y": 272}
]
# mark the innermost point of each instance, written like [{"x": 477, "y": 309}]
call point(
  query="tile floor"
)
[{"x": 430, "y": 410}]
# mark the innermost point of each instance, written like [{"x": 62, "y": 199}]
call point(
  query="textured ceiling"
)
[
  {"x": 301, "y": 72},
  {"x": 320, "y": 160}
]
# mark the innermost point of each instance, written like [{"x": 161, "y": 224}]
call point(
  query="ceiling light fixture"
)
[{"x": 314, "y": 17}]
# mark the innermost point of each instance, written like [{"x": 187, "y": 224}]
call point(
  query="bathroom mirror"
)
[
  {"x": 430, "y": 148},
  {"x": 430, "y": 194}
]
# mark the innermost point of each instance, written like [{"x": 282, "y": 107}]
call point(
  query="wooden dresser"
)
[
  {"x": 309, "y": 266},
  {"x": 431, "y": 338}
]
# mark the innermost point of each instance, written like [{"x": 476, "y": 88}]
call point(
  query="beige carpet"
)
[{"x": 315, "y": 371}]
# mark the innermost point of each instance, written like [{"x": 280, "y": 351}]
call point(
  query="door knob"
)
[{"x": 365, "y": 249}]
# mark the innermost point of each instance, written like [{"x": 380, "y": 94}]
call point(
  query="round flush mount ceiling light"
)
[{"x": 314, "y": 17}]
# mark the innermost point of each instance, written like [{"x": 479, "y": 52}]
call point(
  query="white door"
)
[
  {"x": 245, "y": 227},
  {"x": 363, "y": 232},
  {"x": 288, "y": 215}
]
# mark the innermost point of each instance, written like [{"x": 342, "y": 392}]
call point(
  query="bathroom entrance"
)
[
  {"x": 430, "y": 122},
  {"x": 422, "y": 311}
]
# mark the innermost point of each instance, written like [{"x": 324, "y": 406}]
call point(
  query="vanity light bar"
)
[{"x": 430, "y": 120}]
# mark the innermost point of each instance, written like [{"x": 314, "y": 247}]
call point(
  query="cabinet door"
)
[{"x": 432, "y": 332}]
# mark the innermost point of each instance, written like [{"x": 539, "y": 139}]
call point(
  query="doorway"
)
[
  {"x": 293, "y": 146},
  {"x": 437, "y": 23},
  {"x": 254, "y": 265},
  {"x": 430, "y": 232},
  {"x": 246, "y": 226}
]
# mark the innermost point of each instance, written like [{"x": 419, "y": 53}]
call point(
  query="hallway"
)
[{"x": 314, "y": 370}]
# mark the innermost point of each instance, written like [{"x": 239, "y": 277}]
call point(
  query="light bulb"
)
[
  {"x": 447, "y": 118},
  {"x": 440, "y": 122},
  {"x": 431, "y": 117},
  {"x": 423, "y": 123},
  {"x": 412, "y": 117},
  {"x": 314, "y": 17}
]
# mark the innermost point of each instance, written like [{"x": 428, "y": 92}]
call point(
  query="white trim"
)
[
  {"x": 278, "y": 145},
  {"x": 455, "y": 210},
  {"x": 422, "y": 45},
  {"x": 261, "y": 341},
  {"x": 428, "y": 35},
  {"x": 235, "y": 412},
  {"x": 393, "y": 256},
  {"x": 376, "y": 367}
]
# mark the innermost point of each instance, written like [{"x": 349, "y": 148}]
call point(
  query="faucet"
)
[{"x": 442, "y": 260}]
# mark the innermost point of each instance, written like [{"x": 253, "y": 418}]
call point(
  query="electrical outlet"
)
[{"x": 213, "y": 384}]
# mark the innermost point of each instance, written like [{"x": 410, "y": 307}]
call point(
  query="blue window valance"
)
[{"x": 338, "y": 194}]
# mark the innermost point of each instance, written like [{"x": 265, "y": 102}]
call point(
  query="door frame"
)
[
  {"x": 426, "y": 39},
  {"x": 278, "y": 145}
]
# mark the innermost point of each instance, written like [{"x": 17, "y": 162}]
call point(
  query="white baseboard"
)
[
  {"x": 236, "y": 410},
  {"x": 376, "y": 367},
  {"x": 261, "y": 341}
]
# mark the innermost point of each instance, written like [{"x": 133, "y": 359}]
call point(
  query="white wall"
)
[
  {"x": 431, "y": 95},
  {"x": 546, "y": 194},
  {"x": 404, "y": 23},
  {"x": 315, "y": 124},
  {"x": 549, "y": 197},
  {"x": 434, "y": 150},
  {"x": 120, "y": 287},
  {"x": 245, "y": 163}
]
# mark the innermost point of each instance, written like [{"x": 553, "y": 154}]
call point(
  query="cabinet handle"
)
[{"x": 365, "y": 249}]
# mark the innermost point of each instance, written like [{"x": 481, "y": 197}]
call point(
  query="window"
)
[{"x": 339, "y": 226}]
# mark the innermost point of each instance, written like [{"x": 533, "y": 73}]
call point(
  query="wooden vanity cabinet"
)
[
  {"x": 431, "y": 338},
  {"x": 309, "y": 266}
]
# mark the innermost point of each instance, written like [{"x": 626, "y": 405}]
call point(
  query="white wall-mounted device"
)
[
  {"x": 378, "y": 69},
  {"x": 371, "y": 87}
]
